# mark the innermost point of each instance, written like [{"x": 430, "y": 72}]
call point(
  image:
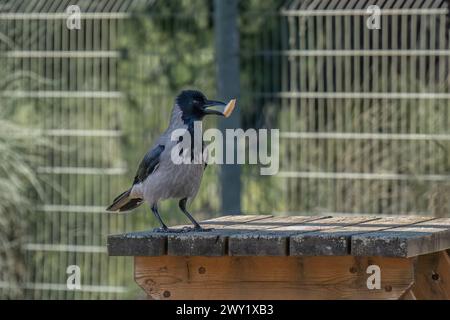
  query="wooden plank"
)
[
  {"x": 296, "y": 233},
  {"x": 441, "y": 275},
  {"x": 421, "y": 238},
  {"x": 253, "y": 277},
  {"x": 149, "y": 243},
  {"x": 210, "y": 243},
  {"x": 270, "y": 239},
  {"x": 336, "y": 241},
  {"x": 443, "y": 268},
  {"x": 432, "y": 277},
  {"x": 143, "y": 243}
]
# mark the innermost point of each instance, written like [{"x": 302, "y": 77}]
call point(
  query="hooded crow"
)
[{"x": 158, "y": 176}]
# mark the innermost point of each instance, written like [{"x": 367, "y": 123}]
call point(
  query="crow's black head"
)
[{"x": 195, "y": 105}]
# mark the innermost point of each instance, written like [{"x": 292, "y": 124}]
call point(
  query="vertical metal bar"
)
[
  {"x": 398, "y": 118},
  {"x": 384, "y": 108},
  {"x": 400, "y": 72},
  {"x": 54, "y": 111},
  {"x": 294, "y": 63},
  {"x": 342, "y": 115},
  {"x": 228, "y": 86},
  {"x": 284, "y": 66}
]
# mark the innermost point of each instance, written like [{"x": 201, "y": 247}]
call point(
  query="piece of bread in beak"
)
[{"x": 229, "y": 108}]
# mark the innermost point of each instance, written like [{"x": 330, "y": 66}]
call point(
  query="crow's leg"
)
[
  {"x": 182, "y": 205},
  {"x": 154, "y": 208}
]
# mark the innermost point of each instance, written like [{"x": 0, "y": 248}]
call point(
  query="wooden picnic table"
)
[{"x": 295, "y": 257}]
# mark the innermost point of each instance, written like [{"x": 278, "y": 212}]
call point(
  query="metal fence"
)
[
  {"x": 70, "y": 83},
  {"x": 363, "y": 114}
]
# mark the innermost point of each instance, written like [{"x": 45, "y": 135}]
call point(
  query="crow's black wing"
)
[{"x": 148, "y": 164}]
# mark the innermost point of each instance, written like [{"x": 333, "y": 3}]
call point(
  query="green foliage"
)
[
  {"x": 21, "y": 149},
  {"x": 19, "y": 187}
]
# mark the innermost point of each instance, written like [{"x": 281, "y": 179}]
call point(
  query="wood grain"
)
[
  {"x": 171, "y": 277},
  {"x": 432, "y": 277}
]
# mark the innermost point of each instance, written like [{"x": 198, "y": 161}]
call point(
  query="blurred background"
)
[{"x": 364, "y": 119}]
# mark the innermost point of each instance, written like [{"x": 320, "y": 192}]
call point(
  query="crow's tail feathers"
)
[{"x": 124, "y": 202}]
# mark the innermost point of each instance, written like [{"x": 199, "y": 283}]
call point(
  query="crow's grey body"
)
[{"x": 170, "y": 180}]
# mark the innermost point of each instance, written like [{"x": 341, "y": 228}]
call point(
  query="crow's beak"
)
[{"x": 219, "y": 108}]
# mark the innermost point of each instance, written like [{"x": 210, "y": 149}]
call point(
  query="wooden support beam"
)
[
  {"x": 228, "y": 87},
  {"x": 432, "y": 277},
  {"x": 228, "y": 277}
]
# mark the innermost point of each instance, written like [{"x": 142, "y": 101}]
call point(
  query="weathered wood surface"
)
[
  {"x": 149, "y": 243},
  {"x": 205, "y": 243},
  {"x": 274, "y": 239},
  {"x": 144, "y": 243},
  {"x": 408, "y": 241},
  {"x": 211, "y": 243},
  {"x": 336, "y": 241},
  {"x": 265, "y": 235},
  {"x": 175, "y": 277}
]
